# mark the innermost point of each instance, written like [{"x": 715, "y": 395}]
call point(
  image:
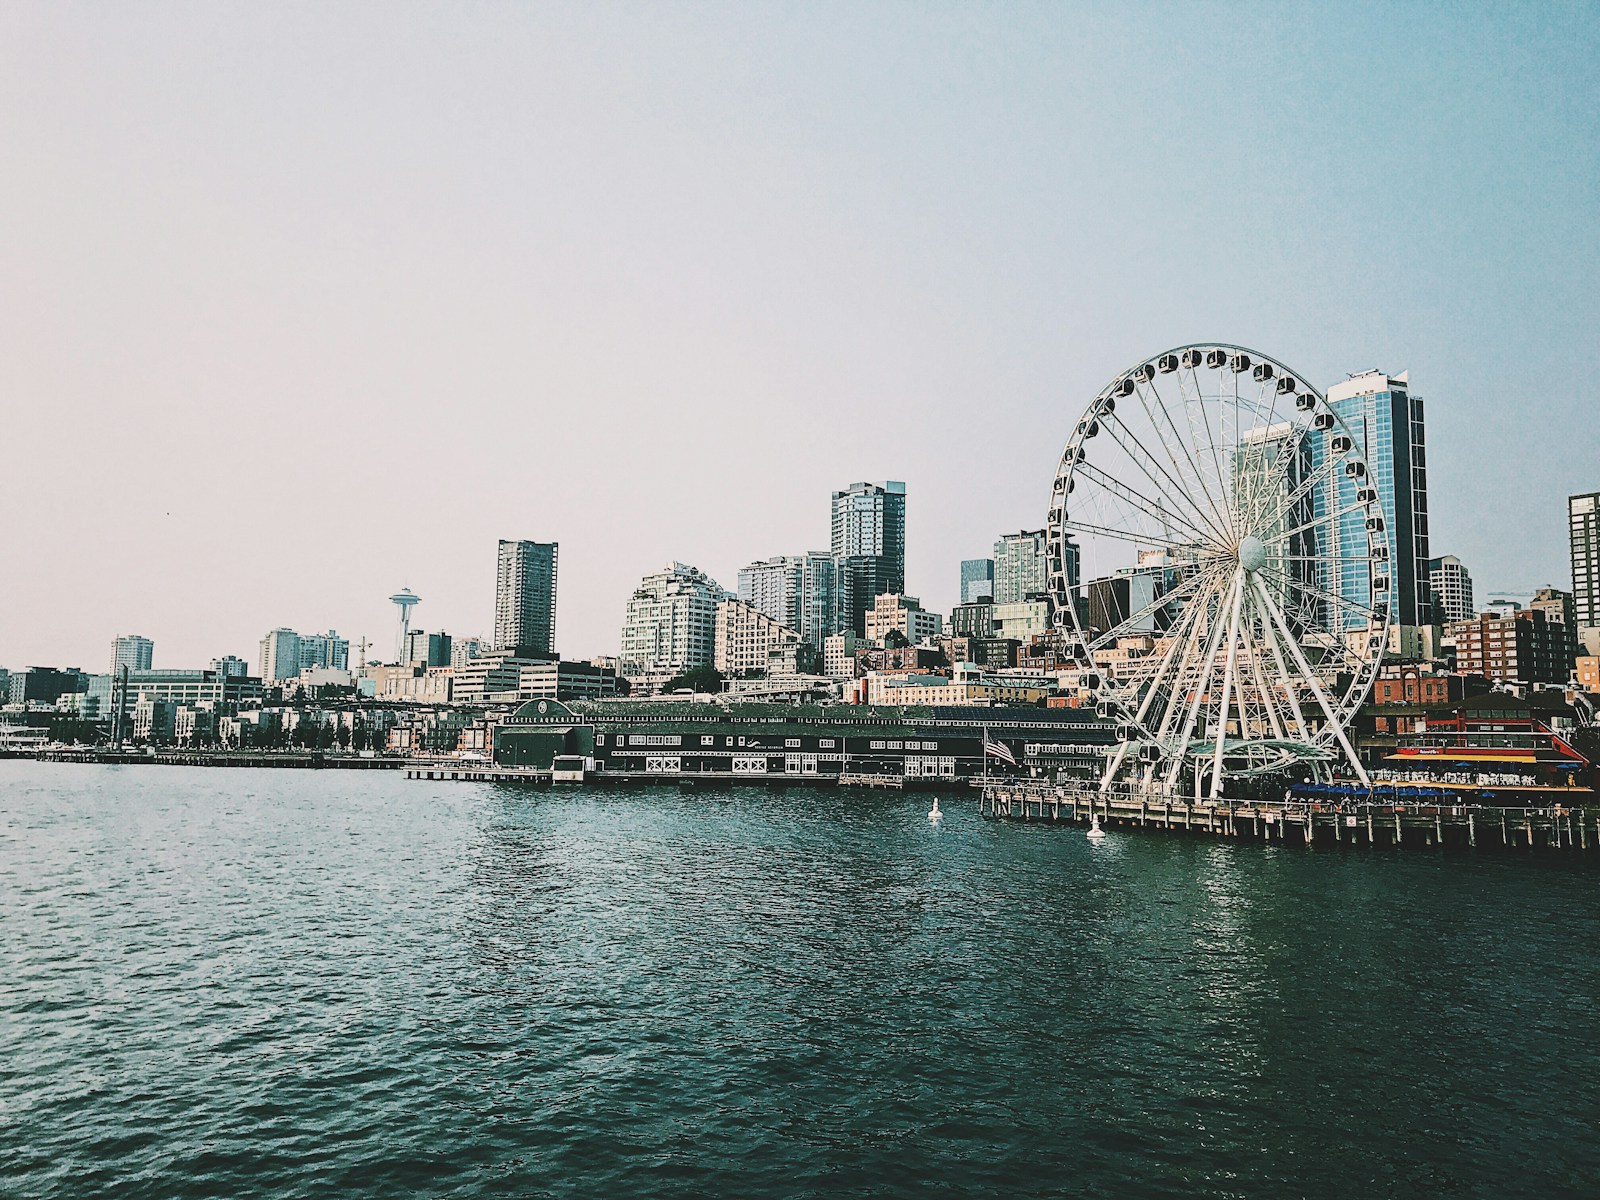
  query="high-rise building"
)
[
  {"x": 427, "y": 649},
  {"x": 525, "y": 596},
  {"x": 894, "y": 613},
  {"x": 1526, "y": 646},
  {"x": 285, "y": 653},
  {"x": 671, "y": 622},
  {"x": 869, "y": 521},
  {"x": 977, "y": 580},
  {"x": 1583, "y": 520},
  {"x": 280, "y": 655},
  {"x": 807, "y": 592},
  {"x": 1450, "y": 586},
  {"x": 132, "y": 651},
  {"x": 1386, "y": 422},
  {"x": 464, "y": 650},
  {"x": 1019, "y": 567},
  {"x": 1561, "y": 608},
  {"x": 230, "y": 666},
  {"x": 325, "y": 650},
  {"x": 745, "y": 636},
  {"x": 772, "y": 586}
]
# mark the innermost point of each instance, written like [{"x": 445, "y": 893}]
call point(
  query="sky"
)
[{"x": 302, "y": 303}]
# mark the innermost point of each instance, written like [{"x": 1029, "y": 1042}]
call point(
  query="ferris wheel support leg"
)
[
  {"x": 1267, "y": 701},
  {"x": 1316, "y": 685},
  {"x": 1227, "y": 685},
  {"x": 1283, "y": 675},
  {"x": 1192, "y": 638},
  {"x": 1167, "y": 660},
  {"x": 1194, "y": 708}
]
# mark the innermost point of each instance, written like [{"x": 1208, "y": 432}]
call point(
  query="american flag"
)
[{"x": 997, "y": 749}]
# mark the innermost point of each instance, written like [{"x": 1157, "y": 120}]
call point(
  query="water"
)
[{"x": 306, "y": 984}]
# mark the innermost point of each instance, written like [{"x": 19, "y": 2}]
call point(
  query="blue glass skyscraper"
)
[{"x": 1385, "y": 420}]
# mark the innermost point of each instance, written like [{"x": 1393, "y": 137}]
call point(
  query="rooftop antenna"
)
[{"x": 406, "y": 599}]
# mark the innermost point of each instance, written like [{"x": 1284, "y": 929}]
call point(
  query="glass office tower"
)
[{"x": 1386, "y": 421}]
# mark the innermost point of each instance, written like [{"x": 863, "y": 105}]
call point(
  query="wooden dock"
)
[
  {"x": 1550, "y": 826},
  {"x": 476, "y": 773}
]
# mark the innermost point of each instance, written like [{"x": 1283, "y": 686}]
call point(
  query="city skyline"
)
[{"x": 973, "y": 240}]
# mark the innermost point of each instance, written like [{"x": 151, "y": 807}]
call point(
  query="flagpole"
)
[{"x": 985, "y": 762}]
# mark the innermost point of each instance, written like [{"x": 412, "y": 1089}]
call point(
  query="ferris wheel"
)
[{"x": 1219, "y": 565}]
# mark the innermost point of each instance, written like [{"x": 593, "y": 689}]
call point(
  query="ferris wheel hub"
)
[{"x": 1252, "y": 553}]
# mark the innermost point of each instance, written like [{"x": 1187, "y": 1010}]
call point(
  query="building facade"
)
[
  {"x": 1386, "y": 421},
  {"x": 869, "y": 521},
  {"x": 525, "y": 596},
  {"x": 325, "y": 650},
  {"x": 132, "y": 651},
  {"x": 1450, "y": 586},
  {"x": 1021, "y": 622},
  {"x": 892, "y": 612},
  {"x": 1521, "y": 647},
  {"x": 671, "y": 622},
  {"x": 1019, "y": 567},
  {"x": 745, "y": 638},
  {"x": 464, "y": 650},
  {"x": 1561, "y": 606},
  {"x": 977, "y": 580},
  {"x": 1583, "y": 527},
  {"x": 428, "y": 649},
  {"x": 280, "y": 655}
]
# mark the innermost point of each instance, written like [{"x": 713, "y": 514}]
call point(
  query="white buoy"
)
[
  {"x": 1095, "y": 832},
  {"x": 934, "y": 814}
]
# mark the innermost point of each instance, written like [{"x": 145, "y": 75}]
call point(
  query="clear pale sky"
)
[{"x": 303, "y": 303}]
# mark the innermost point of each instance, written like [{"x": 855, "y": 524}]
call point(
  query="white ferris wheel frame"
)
[{"x": 1247, "y": 646}]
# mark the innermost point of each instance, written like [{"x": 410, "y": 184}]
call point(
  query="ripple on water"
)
[{"x": 303, "y": 984}]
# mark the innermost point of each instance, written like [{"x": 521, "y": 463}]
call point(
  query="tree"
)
[
  {"x": 344, "y": 736},
  {"x": 704, "y": 678}
]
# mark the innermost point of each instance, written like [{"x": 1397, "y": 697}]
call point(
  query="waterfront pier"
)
[{"x": 1548, "y": 824}]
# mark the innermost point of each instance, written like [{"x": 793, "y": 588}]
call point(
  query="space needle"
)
[{"x": 405, "y": 599}]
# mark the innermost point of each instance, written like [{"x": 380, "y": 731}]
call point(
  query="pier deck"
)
[{"x": 1554, "y": 826}]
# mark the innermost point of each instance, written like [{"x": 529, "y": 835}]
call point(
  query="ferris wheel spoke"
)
[
  {"x": 1207, "y": 664},
  {"x": 1127, "y": 626},
  {"x": 1213, "y": 519},
  {"x": 1198, "y": 401},
  {"x": 1303, "y": 491},
  {"x": 1258, "y": 670},
  {"x": 1151, "y": 508},
  {"x": 1322, "y": 594},
  {"x": 1332, "y": 516},
  {"x": 1188, "y": 664},
  {"x": 1227, "y": 686},
  {"x": 1267, "y": 483},
  {"x": 1177, "y": 641},
  {"x": 1286, "y": 681},
  {"x": 1142, "y": 457},
  {"x": 1124, "y": 535},
  {"x": 1315, "y": 683}
]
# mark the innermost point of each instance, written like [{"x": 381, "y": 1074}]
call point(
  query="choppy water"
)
[{"x": 298, "y": 984}]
